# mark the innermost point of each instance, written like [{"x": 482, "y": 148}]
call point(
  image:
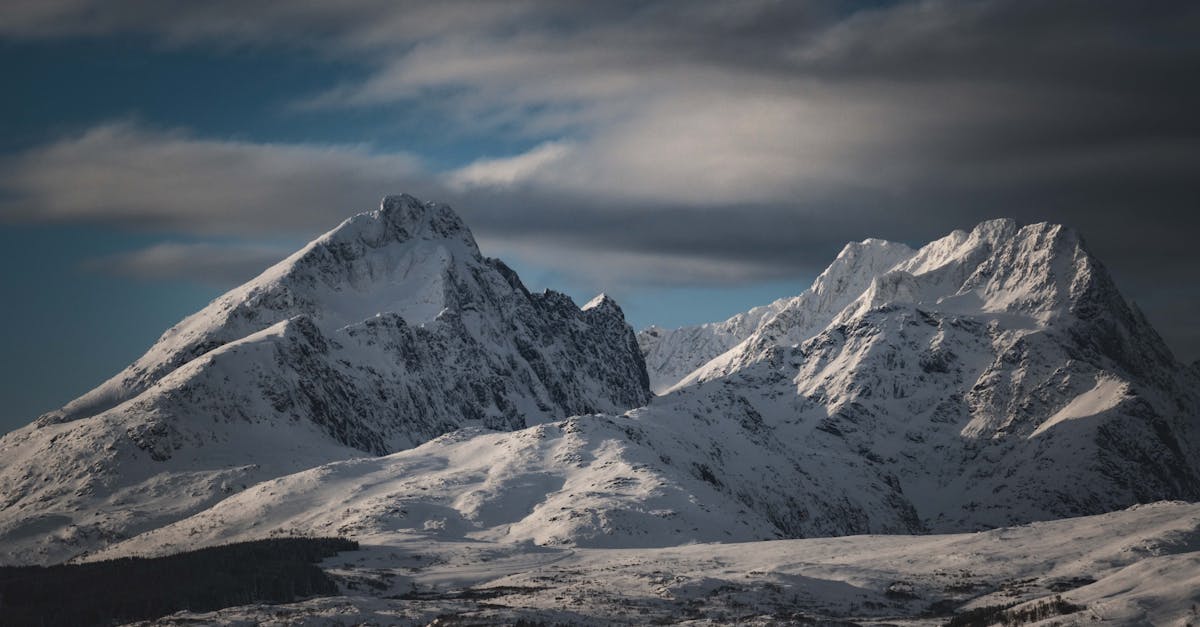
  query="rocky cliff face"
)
[{"x": 386, "y": 332}]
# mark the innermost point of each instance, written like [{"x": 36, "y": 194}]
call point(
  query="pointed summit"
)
[
  {"x": 400, "y": 218},
  {"x": 601, "y": 302},
  {"x": 852, "y": 271},
  {"x": 996, "y": 229},
  {"x": 408, "y": 214}
]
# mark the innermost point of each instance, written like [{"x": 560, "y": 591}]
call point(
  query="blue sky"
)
[{"x": 691, "y": 159}]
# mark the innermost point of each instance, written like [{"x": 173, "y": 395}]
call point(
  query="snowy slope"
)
[
  {"x": 1133, "y": 567},
  {"x": 591, "y": 481},
  {"x": 710, "y": 463},
  {"x": 385, "y": 332}
]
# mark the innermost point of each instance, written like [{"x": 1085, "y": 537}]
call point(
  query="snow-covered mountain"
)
[
  {"x": 387, "y": 331},
  {"x": 990, "y": 378}
]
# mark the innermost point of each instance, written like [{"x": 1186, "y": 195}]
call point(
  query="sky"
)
[{"x": 691, "y": 159}]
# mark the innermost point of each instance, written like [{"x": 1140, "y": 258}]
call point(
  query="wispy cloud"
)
[
  {"x": 218, "y": 264},
  {"x": 509, "y": 171},
  {"x": 168, "y": 180},
  {"x": 684, "y": 138}
]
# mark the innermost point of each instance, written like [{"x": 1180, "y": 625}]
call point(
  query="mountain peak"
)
[
  {"x": 872, "y": 246},
  {"x": 601, "y": 302},
  {"x": 856, "y": 265},
  {"x": 402, "y": 217},
  {"x": 409, "y": 211},
  {"x": 398, "y": 202},
  {"x": 996, "y": 228}
]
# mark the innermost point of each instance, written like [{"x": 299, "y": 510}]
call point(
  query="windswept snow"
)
[
  {"x": 1107, "y": 394},
  {"x": 1134, "y": 567}
]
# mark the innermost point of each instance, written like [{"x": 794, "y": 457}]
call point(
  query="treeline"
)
[
  {"x": 278, "y": 570},
  {"x": 1004, "y": 614}
]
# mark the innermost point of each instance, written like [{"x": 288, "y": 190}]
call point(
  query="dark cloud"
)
[{"x": 692, "y": 142}]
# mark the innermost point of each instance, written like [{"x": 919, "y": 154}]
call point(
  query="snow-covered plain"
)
[{"x": 1135, "y": 567}]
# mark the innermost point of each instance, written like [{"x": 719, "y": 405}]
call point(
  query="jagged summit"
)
[
  {"x": 997, "y": 229},
  {"x": 400, "y": 220},
  {"x": 852, "y": 270},
  {"x": 402, "y": 217}
]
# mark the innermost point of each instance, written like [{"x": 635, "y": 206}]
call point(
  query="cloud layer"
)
[
  {"x": 219, "y": 264},
  {"x": 688, "y": 142},
  {"x": 169, "y": 180}
]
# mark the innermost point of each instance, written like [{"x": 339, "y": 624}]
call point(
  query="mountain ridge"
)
[
  {"x": 987, "y": 379},
  {"x": 992, "y": 377}
]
